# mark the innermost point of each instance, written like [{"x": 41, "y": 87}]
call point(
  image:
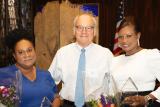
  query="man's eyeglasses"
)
[
  {"x": 80, "y": 28},
  {"x": 24, "y": 52}
]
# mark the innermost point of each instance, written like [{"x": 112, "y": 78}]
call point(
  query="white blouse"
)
[{"x": 143, "y": 67}]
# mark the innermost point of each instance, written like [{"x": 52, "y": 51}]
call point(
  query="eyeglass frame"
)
[
  {"x": 127, "y": 36},
  {"x": 80, "y": 28},
  {"x": 24, "y": 52}
]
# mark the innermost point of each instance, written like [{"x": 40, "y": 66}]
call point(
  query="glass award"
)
[
  {"x": 128, "y": 89},
  {"x": 46, "y": 102},
  {"x": 112, "y": 93},
  {"x": 10, "y": 88},
  {"x": 101, "y": 90},
  {"x": 107, "y": 94},
  {"x": 18, "y": 85}
]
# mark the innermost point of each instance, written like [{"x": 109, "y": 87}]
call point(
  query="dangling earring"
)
[{"x": 138, "y": 42}]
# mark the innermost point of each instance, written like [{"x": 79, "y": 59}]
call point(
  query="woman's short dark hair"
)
[
  {"x": 17, "y": 35},
  {"x": 130, "y": 20}
]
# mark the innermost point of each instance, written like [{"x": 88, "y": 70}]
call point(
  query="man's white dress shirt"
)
[{"x": 65, "y": 65}]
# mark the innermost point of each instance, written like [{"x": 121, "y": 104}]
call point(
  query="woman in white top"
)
[{"x": 141, "y": 65}]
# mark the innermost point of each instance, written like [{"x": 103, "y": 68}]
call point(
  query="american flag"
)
[{"x": 120, "y": 15}]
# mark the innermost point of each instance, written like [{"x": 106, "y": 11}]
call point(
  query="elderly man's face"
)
[{"x": 84, "y": 30}]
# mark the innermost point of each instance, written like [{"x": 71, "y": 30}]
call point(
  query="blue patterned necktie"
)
[{"x": 79, "y": 92}]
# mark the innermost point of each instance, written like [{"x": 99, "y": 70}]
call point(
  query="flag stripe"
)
[{"x": 120, "y": 15}]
